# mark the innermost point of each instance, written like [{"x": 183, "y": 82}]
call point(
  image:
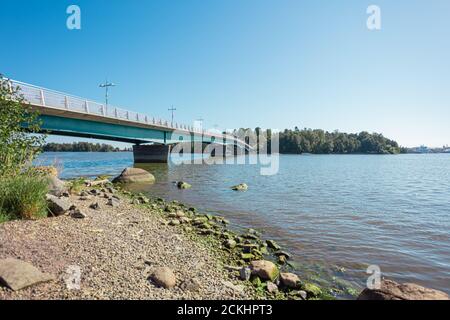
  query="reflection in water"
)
[{"x": 336, "y": 214}]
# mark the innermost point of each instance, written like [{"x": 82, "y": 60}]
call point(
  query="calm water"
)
[{"x": 348, "y": 211}]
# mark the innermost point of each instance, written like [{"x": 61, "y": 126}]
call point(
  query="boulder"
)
[
  {"x": 240, "y": 187},
  {"x": 245, "y": 273},
  {"x": 290, "y": 280},
  {"x": 134, "y": 175},
  {"x": 56, "y": 186},
  {"x": 391, "y": 290},
  {"x": 163, "y": 277},
  {"x": 264, "y": 269},
  {"x": 17, "y": 274},
  {"x": 57, "y": 206}
]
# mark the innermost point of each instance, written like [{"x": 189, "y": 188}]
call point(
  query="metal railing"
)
[{"x": 38, "y": 96}]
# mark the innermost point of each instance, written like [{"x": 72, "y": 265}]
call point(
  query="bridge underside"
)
[{"x": 159, "y": 140}]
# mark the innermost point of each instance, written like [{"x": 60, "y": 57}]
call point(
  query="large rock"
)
[
  {"x": 391, "y": 290},
  {"x": 17, "y": 274},
  {"x": 264, "y": 269},
  {"x": 163, "y": 277},
  {"x": 290, "y": 280},
  {"x": 57, "y": 206},
  {"x": 56, "y": 187},
  {"x": 134, "y": 175}
]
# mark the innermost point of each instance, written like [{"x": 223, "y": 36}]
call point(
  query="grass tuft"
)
[{"x": 22, "y": 196}]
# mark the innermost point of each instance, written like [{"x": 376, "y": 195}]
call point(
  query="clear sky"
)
[{"x": 269, "y": 63}]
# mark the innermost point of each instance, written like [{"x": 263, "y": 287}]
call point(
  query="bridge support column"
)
[{"x": 154, "y": 153}]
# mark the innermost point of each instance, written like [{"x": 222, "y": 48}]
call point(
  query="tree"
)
[{"x": 18, "y": 145}]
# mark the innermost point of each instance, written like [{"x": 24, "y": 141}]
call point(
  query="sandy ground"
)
[{"x": 116, "y": 250}]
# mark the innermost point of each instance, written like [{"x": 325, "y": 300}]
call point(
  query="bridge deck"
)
[{"x": 66, "y": 114}]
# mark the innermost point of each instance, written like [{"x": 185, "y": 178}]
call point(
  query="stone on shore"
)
[
  {"x": 163, "y": 277},
  {"x": 77, "y": 214},
  {"x": 283, "y": 253},
  {"x": 17, "y": 274},
  {"x": 240, "y": 187},
  {"x": 264, "y": 269},
  {"x": 272, "y": 287},
  {"x": 245, "y": 273},
  {"x": 391, "y": 290},
  {"x": 113, "y": 202},
  {"x": 290, "y": 280},
  {"x": 57, "y": 206},
  {"x": 273, "y": 245},
  {"x": 312, "y": 289},
  {"x": 56, "y": 186},
  {"x": 134, "y": 175},
  {"x": 230, "y": 243},
  {"x": 95, "y": 206}
]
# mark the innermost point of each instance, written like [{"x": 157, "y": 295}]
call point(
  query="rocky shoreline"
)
[
  {"x": 118, "y": 248},
  {"x": 105, "y": 242}
]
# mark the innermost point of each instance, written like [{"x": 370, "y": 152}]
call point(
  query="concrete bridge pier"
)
[{"x": 151, "y": 153}]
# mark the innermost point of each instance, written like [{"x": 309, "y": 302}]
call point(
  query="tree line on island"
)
[
  {"x": 81, "y": 147},
  {"x": 317, "y": 141}
]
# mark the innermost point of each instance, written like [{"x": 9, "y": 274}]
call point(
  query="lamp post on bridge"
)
[
  {"x": 106, "y": 85},
  {"x": 172, "y": 109}
]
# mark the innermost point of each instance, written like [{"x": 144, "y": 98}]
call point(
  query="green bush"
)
[
  {"x": 18, "y": 147},
  {"x": 22, "y": 196}
]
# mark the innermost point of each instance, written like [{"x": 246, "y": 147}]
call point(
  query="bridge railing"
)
[{"x": 48, "y": 98}]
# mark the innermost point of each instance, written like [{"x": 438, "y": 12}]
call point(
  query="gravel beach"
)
[{"x": 116, "y": 249}]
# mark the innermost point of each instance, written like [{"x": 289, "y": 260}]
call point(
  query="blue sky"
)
[{"x": 270, "y": 63}]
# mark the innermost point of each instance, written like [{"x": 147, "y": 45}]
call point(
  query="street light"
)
[
  {"x": 172, "y": 109},
  {"x": 106, "y": 85}
]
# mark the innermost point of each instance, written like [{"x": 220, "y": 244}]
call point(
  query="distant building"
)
[{"x": 421, "y": 149}]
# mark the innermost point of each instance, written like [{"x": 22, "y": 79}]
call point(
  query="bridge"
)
[{"x": 68, "y": 115}]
